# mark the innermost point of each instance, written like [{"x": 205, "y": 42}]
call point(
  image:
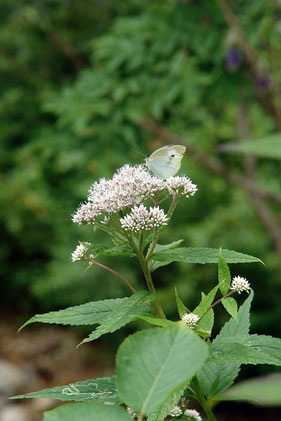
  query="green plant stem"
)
[
  {"x": 202, "y": 400},
  {"x": 141, "y": 241},
  {"x": 112, "y": 271},
  {"x": 147, "y": 274},
  {"x": 153, "y": 245},
  {"x": 150, "y": 284}
]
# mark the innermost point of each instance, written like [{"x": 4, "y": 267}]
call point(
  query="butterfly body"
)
[{"x": 165, "y": 162}]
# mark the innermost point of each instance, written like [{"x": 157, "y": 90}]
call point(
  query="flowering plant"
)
[{"x": 162, "y": 371}]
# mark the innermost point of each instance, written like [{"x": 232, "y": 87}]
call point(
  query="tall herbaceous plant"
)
[{"x": 160, "y": 371}]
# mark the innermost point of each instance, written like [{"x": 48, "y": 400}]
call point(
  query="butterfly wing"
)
[{"x": 166, "y": 161}]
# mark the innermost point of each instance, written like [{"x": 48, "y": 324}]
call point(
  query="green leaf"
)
[
  {"x": 87, "y": 411},
  {"x": 261, "y": 391},
  {"x": 254, "y": 349},
  {"x": 202, "y": 256},
  {"x": 101, "y": 390},
  {"x": 136, "y": 305},
  {"x": 232, "y": 328},
  {"x": 158, "y": 249},
  {"x": 156, "y": 362},
  {"x": 167, "y": 405},
  {"x": 109, "y": 314},
  {"x": 265, "y": 147},
  {"x": 207, "y": 322},
  {"x": 230, "y": 305},
  {"x": 181, "y": 307},
  {"x": 216, "y": 376},
  {"x": 156, "y": 321},
  {"x": 206, "y": 302},
  {"x": 223, "y": 275}
]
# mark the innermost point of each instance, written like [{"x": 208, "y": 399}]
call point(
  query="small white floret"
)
[
  {"x": 141, "y": 218},
  {"x": 175, "y": 411},
  {"x": 240, "y": 284},
  {"x": 192, "y": 414},
  {"x": 181, "y": 186},
  {"x": 190, "y": 319},
  {"x": 79, "y": 253}
]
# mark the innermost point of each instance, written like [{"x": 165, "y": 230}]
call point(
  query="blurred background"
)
[{"x": 86, "y": 84}]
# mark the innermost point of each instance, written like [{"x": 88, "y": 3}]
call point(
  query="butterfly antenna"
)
[{"x": 140, "y": 153}]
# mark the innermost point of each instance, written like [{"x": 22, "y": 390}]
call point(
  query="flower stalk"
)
[{"x": 94, "y": 262}]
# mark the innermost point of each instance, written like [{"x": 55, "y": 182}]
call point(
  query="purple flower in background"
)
[
  {"x": 233, "y": 58},
  {"x": 261, "y": 82}
]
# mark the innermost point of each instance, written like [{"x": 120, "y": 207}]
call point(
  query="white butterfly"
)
[{"x": 166, "y": 161}]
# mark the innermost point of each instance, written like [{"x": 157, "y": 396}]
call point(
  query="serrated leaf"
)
[
  {"x": 254, "y": 349},
  {"x": 202, "y": 256},
  {"x": 159, "y": 248},
  {"x": 230, "y": 305},
  {"x": 101, "y": 390},
  {"x": 232, "y": 328},
  {"x": 156, "y": 321},
  {"x": 181, "y": 307},
  {"x": 136, "y": 305},
  {"x": 156, "y": 362},
  {"x": 261, "y": 391},
  {"x": 166, "y": 407},
  {"x": 224, "y": 276},
  {"x": 87, "y": 411},
  {"x": 215, "y": 377},
  {"x": 109, "y": 314}
]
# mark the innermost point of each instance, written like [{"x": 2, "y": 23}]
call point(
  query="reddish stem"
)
[{"x": 114, "y": 273}]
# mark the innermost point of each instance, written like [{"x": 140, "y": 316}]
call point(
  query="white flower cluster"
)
[
  {"x": 86, "y": 214},
  {"x": 141, "y": 218},
  {"x": 190, "y": 319},
  {"x": 79, "y": 253},
  {"x": 192, "y": 414},
  {"x": 240, "y": 284},
  {"x": 181, "y": 186},
  {"x": 175, "y": 411},
  {"x": 129, "y": 187}
]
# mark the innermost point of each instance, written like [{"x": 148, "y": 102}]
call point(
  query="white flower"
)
[
  {"x": 131, "y": 412},
  {"x": 193, "y": 414},
  {"x": 86, "y": 214},
  {"x": 130, "y": 186},
  {"x": 79, "y": 253},
  {"x": 240, "y": 284},
  {"x": 175, "y": 411},
  {"x": 181, "y": 186},
  {"x": 190, "y": 319},
  {"x": 157, "y": 217},
  {"x": 141, "y": 218}
]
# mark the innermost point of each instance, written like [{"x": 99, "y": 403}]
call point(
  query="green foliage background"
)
[{"x": 77, "y": 80}]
